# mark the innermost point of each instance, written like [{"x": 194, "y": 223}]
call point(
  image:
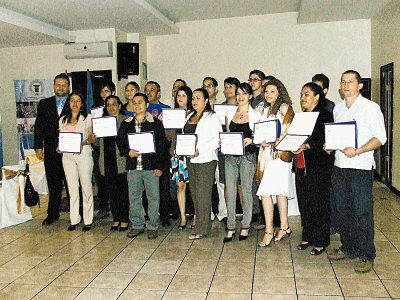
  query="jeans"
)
[
  {"x": 135, "y": 184},
  {"x": 352, "y": 191},
  {"x": 246, "y": 167}
]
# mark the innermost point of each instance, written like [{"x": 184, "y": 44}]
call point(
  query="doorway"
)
[{"x": 386, "y": 102}]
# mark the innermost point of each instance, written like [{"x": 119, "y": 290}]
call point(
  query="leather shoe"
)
[
  {"x": 49, "y": 220},
  {"x": 86, "y": 228},
  {"x": 165, "y": 223},
  {"x": 71, "y": 228}
]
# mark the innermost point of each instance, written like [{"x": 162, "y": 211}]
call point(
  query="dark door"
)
[{"x": 386, "y": 102}]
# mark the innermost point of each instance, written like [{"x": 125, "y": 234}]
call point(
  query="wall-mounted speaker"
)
[{"x": 127, "y": 59}]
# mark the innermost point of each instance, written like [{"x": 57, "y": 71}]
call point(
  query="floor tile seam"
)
[
  {"x": 387, "y": 209},
  {"x": 146, "y": 260},
  {"x": 381, "y": 281},
  {"x": 398, "y": 251},
  {"x": 215, "y": 271},
  {"x": 254, "y": 265},
  {"x": 292, "y": 261},
  {"x": 336, "y": 277}
]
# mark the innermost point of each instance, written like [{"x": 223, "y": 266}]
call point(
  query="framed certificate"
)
[
  {"x": 143, "y": 142},
  {"x": 105, "y": 126},
  {"x": 221, "y": 110},
  {"x": 174, "y": 118},
  {"x": 267, "y": 131},
  {"x": 232, "y": 143},
  {"x": 291, "y": 142},
  {"x": 299, "y": 131},
  {"x": 97, "y": 112},
  {"x": 70, "y": 142},
  {"x": 341, "y": 135},
  {"x": 186, "y": 144}
]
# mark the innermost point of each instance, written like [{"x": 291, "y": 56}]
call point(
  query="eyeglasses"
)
[{"x": 254, "y": 79}]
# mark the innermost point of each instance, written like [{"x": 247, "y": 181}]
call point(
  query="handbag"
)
[{"x": 31, "y": 196}]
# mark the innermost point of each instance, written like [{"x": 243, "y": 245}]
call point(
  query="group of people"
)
[{"x": 334, "y": 190}]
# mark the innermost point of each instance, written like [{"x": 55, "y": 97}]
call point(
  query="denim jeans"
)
[
  {"x": 352, "y": 191},
  {"x": 135, "y": 184},
  {"x": 245, "y": 166}
]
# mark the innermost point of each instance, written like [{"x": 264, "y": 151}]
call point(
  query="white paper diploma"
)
[
  {"x": 232, "y": 143},
  {"x": 70, "y": 142},
  {"x": 174, "y": 118},
  {"x": 266, "y": 131},
  {"x": 105, "y": 126},
  {"x": 303, "y": 123},
  {"x": 291, "y": 142},
  {"x": 186, "y": 144},
  {"x": 97, "y": 112},
  {"x": 221, "y": 110},
  {"x": 299, "y": 131},
  {"x": 142, "y": 142},
  {"x": 340, "y": 135}
]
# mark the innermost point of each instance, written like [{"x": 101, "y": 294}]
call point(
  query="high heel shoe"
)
[
  {"x": 303, "y": 246},
  {"x": 229, "y": 239},
  {"x": 286, "y": 233},
  {"x": 243, "y": 237},
  {"x": 263, "y": 244},
  {"x": 182, "y": 227},
  {"x": 316, "y": 251}
]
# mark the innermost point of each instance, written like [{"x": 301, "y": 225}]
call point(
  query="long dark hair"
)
[
  {"x": 189, "y": 93},
  {"x": 282, "y": 98},
  {"x": 121, "y": 109},
  {"x": 317, "y": 90},
  {"x": 206, "y": 97},
  {"x": 67, "y": 113}
]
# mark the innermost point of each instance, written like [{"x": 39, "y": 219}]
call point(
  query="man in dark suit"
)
[{"x": 46, "y": 142}]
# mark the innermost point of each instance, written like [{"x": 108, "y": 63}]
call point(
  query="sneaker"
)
[
  {"x": 338, "y": 254},
  {"x": 101, "y": 214},
  {"x": 363, "y": 265},
  {"x": 134, "y": 232},
  {"x": 152, "y": 234}
]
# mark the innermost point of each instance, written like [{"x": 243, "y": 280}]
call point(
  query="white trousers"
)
[{"x": 79, "y": 167}]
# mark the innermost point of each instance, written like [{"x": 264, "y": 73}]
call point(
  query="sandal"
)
[
  {"x": 195, "y": 236},
  {"x": 303, "y": 246},
  {"x": 286, "y": 233},
  {"x": 263, "y": 244},
  {"x": 316, "y": 251}
]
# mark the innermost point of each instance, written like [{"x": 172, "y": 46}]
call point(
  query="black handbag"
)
[{"x": 31, "y": 196}]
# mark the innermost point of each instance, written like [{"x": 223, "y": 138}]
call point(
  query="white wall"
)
[
  {"x": 41, "y": 62},
  {"x": 272, "y": 43}
]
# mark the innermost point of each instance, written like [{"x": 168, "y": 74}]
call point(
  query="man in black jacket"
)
[{"x": 46, "y": 142}]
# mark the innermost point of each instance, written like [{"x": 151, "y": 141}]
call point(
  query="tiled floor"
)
[{"x": 50, "y": 263}]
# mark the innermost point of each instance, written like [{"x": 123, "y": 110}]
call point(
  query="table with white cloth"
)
[{"x": 9, "y": 214}]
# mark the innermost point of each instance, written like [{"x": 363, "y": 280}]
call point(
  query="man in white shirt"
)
[{"x": 352, "y": 174}]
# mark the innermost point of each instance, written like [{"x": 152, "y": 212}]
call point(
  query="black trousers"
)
[
  {"x": 165, "y": 197},
  {"x": 55, "y": 177},
  {"x": 118, "y": 196},
  {"x": 102, "y": 199},
  {"x": 314, "y": 205}
]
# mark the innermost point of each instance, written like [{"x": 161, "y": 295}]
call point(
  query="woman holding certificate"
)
[
  {"x": 131, "y": 88},
  {"x": 179, "y": 171},
  {"x": 78, "y": 167},
  {"x": 112, "y": 169},
  {"x": 276, "y": 166},
  {"x": 241, "y": 119},
  {"x": 207, "y": 126},
  {"x": 141, "y": 139},
  {"x": 313, "y": 173}
]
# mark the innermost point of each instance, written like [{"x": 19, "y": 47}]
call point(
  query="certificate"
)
[
  {"x": 341, "y": 135},
  {"x": 267, "y": 131},
  {"x": 70, "y": 142},
  {"x": 221, "y": 110},
  {"x": 299, "y": 131},
  {"x": 142, "y": 142},
  {"x": 232, "y": 143},
  {"x": 186, "y": 144},
  {"x": 174, "y": 118},
  {"x": 105, "y": 126},
  {"x": 291, "y": 142},
  {"x": 97, "y": 112}
]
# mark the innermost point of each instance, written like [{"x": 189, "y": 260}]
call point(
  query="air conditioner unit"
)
[{"x": 88, "y": 50}]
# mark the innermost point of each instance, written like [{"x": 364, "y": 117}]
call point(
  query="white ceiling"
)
[{"x": 43, "y": 22}]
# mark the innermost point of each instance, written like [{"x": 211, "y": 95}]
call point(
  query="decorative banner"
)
[{"x": 28, "y": 93}]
